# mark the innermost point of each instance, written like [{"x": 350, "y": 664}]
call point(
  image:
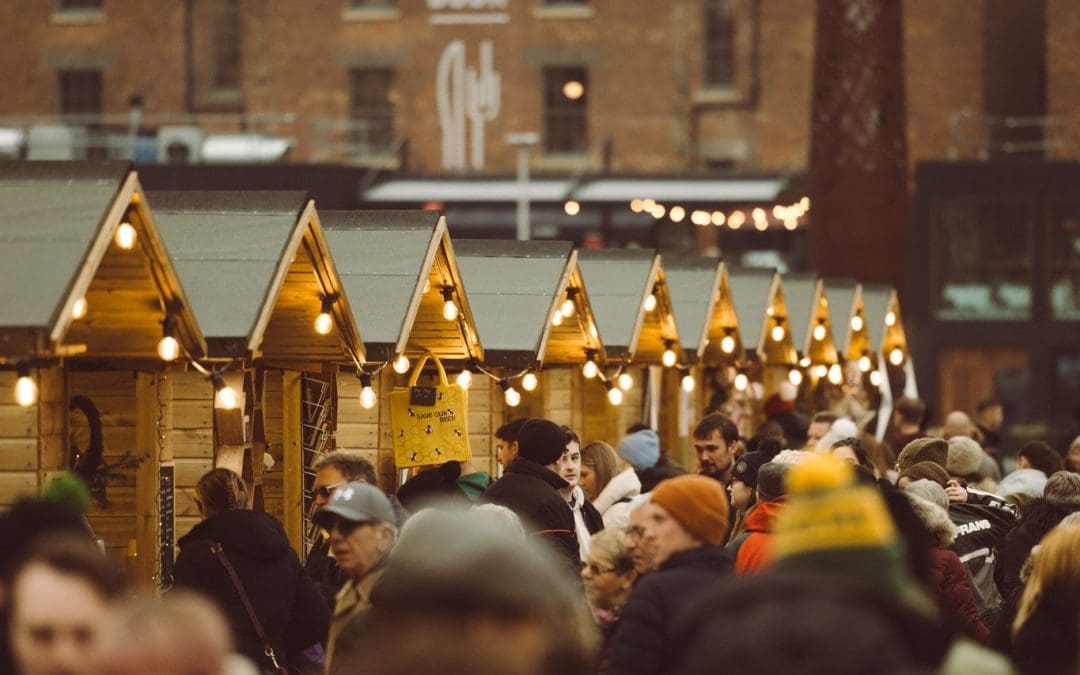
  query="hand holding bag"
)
[{"x": 429, "y": 424}]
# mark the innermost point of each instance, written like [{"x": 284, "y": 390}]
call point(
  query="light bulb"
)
[
  {"x": 513, "y": 397},
  {"x": 777, "y": 333},
  {"x": 557, "y": 318},
  {"x": 637, "y": 205},
  {"x": 168, "y": 348},
  {"x": 571, "y": 208},
  {"x": 572, "y": 89},
  {"x": 758, "y": 213},
  {"x": 79, "y": 309},
  {"x": 727, "y": 345},
  {"x": 225, "y": 398},
  {"x": 896, "y": 356},
  {"x": 856, "y": 323},
  {"x": 890, "y": 319},
  {"x": 126, "y": 236},
  {"x": 590, "y": 369},
  {"x": 650, "y": 302},
  {"x": 836, "y": 376},
  {"x": 449, "y": 310},
  {"x": 401, "y": 364},
  {"x": 626, "y": 381},
  {"x": 529, "y": 382},
  {"x": 717, "y": 218},
  {"x": 677, "y": 213},
  {"x": 368, "y": 398},
  {"x": 615, "y": 395},
  {"x": 864, "y": 363},
  {"x": 819, "y": 332},
  {"x": 464, "y": 379},
  {"x": 567, "y": 308},
  {"x": 324, "y": 323},
  {"x": 687, "y": 383},
  {"x": 875, "y": 378},
  {"x": 820, "y": 370},
  {"x": 795, "y": 376},
  {"x": 26, "y": 390},
  {"x": 669, "y": 358},
  {"x": 741, "y": 381},
  {"x": 804, "y": 362}
]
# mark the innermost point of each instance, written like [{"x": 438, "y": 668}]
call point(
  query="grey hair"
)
[{"x": 353, "y": 465}]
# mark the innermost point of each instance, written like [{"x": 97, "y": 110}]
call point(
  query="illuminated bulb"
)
[
  {"x": 717, "y": 218},
  {"x": 856, "y": 323},
  {"x": 401, "y": 364},
  {"x": 804, "y": 203},
  {"x": 736, "y": 220},
  {"x": 688, "y": 383},
  {"x": 758, "y": 214},
  {"x": 512, "y": 396},
  {"x": 125, "y": 236},
  {"x": 557, "y": 318},
  {"x": 896, "y": 356},
  {"x": 168, "y": 348},
  {"x": 573, "y": 90},
  {"x": 324, "y": 323},
  {"x": 614, "y": 395},
  {"x": 626, "y": 381},
  {"x": 819, "y": 332},
  {"x": 677, "y": 214},
  {"x": 864, "y": 363},
  {"x": 700, "y": 218},
  {"x": 777, "y": 333},
  {"x": 820, "y": 370},
  {"x": 590, "y": 369},
  {"x": 875, "y": 378},
  {"x": 795, "y": 376},
  {"x": 26, "y": 390},
  {"x": 464, "y": 379},
  {"x": 568, "y": 308},
  {"x": 669, "y": 358},
  {"x": 368, "y": 398},
  {"x": 593, "y": 332},
  {"x": 637, "y": 205},
  {"x": 449, "y": 310},
  {"x": 890, "y": 319},
  {"x": 741, "y": 381},
  {"x": 761, "y": 225},
  {"x": 658, "y": 211},
  {"x": 648, "y": 204},
  {"x": 836, "y": 376},
  {"x": 571, "y": 207},
  {"x": 804, "y": 362},
  {"x": 79, "y": 309},
  {"x": 727, "y": 344},
  {"x": 529, "y": 382},
  {"x": 226, "y": 399},
  {"x": 791, "y": 224},
  {"x": 650, "y": 302}
]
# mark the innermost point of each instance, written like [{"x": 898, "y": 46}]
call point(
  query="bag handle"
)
[
  {"x": 219, "y": 551},
  {"x": 420, "y": 367}
]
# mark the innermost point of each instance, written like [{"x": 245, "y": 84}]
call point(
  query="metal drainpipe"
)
[{"x": 189, "y": 55}]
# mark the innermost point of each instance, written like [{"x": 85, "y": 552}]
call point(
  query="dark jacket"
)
[
  {"x": 289, "y": 606},
  {"x": 954, "y": 597},
  {"x": 664, "y": 469},
  {"x": 1038, "y": 518},
  {"x": 644, "y": 643},
  {"x": 531, "y": 491},
  {"x": 1047, "y": 642},
  {"x": 979, "y": 530}
]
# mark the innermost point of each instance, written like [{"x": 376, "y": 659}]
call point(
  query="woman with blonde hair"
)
[
  {"x": 613, "y": 480},
  {"x": 608, "y": 574},
  {"x": 1048, "y": 620}
]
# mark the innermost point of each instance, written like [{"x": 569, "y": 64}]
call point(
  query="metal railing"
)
[{"x": 978, "y": 136}]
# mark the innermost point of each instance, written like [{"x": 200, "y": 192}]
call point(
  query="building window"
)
[
  {"x": 566, "y": 98},
  {"x": 719, "y": 43},
  {"x": 566, "y": 3},
  {"x": 1065, "y": 262},
  {"x": 80, "y": 5},
  {"x": 225, "y": 46},
  {"x": 364, "y": 4},
  {"x": 371, "y": 110},
  {"x": 80, "y": 92}
]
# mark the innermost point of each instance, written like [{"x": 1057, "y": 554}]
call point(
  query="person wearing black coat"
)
[
  {"x": 290, "y": 608},
  {"x": 531, "y": 490},
  {"x": 686, "y": 520},
  {"x": 1061, "y": 496}
]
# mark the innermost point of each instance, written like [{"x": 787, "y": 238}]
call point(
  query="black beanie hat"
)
[
  {"x": 746, "y": 468},
  {"x": 542, "y": 441}
]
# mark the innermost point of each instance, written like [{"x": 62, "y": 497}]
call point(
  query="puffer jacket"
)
[
  {"x": 750, "y": 550},
  {"x": 292, "y": 611},
  {"x": 1037, "y": 518},
  {"x": 614, "y": 500}
]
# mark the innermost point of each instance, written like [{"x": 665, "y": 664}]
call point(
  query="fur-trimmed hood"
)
[
  {"x": 1041, "y": 516},
  {"x": 935, "y": 519}
]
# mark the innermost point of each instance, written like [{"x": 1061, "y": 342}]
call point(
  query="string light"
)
[
  {"x": 225, "y": 397},
  {"x": 626, "y": 381},
  {"x": 736, "y": 220},
  {"x": 464, "y": 379},
  {"x": 741, "y": 381},
  {"x": 614, "y": 394},
  {"x": 669, "y": 357},
  {"x": 529, "y": 382},
  {"x": 700, "y": 218},
  {"x": 324, "y": 322},
  {"x": 687, "y": 381},
  {"x": 804, "y": 362},
  {"x": 795, "y": 376},
  {"x": 573, "y": 90},
  {"x": 568, "y": 306},
  {"x": 856, "y": 323},
  {"x": 896, "y": 356},
  {"x": 717, "y": 218},
  {"x": 637, "y": 205},
  {"x": 727, "y": 344},
  {"x": 26, "y": 391},
  {"x": 79, "y": 309},
  {"x": 590, "y": 369},
  {"x": 401, "y": 364},
  {"x": 571, "y": 207},
  {"x": 168, "y": 347},
  {"x": 821, "y": 370},
  {"x": 368, "y": 399},
  {"x": 864, "y": 363},
  {"x": 677, "y": 213},
  {"x": 836, "y": 376},
  {"x": 557, "y": 318},
  {"x": 819, "y": 332},
  {"x": 890, "y": 319},
  {"x": 777, "y": 332},
  {"x": 658, "y": 211},
  {"x": 650, "y": 302},
  {"x": 126, "y": 236},
  {"x": 511, "y": 395},
  {"x": 875, "y": 379},
  {"x": 450, "y": 308}
]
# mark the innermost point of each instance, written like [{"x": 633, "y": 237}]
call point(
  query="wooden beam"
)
[
  {"x": 152, "y": 447},
  {"x": 293, "y": 460}
]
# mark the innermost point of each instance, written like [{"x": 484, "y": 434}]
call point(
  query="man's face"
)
[
  {"x": 568, "y": 466},
  {"x": 713, "y": 455},
  {"x": 358, "y": 547},
  {"x": 327, "y": 481},
  {"x": 665, "y": 535},
  {"x": 54, "y": 623},
  {"x": 505, "y": 451},
  {"x": 815, "y": 431},
  {"x": 741, "y": 493},
  {"x": 640, "y": 550}
]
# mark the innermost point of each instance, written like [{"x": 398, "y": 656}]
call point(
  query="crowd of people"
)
[{"x": 806, "y": 547}]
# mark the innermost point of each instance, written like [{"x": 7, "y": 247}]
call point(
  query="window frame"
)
[
  {"x": 551, "y": 91},
  {"x": 382, "y": 110}
]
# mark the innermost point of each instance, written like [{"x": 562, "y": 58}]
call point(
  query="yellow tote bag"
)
[{"x": 429, "y": 423}]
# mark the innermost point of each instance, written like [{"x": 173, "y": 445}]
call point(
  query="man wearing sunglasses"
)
[{"x": 360, "y": 521}]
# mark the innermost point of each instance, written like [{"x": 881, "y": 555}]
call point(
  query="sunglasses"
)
[{"x": 327, "y": 491}]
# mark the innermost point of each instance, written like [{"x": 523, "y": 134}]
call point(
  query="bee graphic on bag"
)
[
  {"x": 449, "y": 412},
  {"x": 401, "y": 434},
  {"x": 438, "y": 452},
  {"x": 427, "y": 429},
  {"x": 440, "y": 395},
  {"x": 457, "y": 432},
  {"x": 412, "y": 457},
  {"x": 412, "y": 413}
]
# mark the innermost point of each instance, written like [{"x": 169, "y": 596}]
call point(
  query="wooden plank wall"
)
[
  {"x": 19, "y": 461},
  {"x": 192, "y": 436},
  {"x": 273, "y": 411}
]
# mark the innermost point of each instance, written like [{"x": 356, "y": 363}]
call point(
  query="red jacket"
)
[
  {"x": 954, "y": 594},
  {"x": 752, "y": 555}
]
